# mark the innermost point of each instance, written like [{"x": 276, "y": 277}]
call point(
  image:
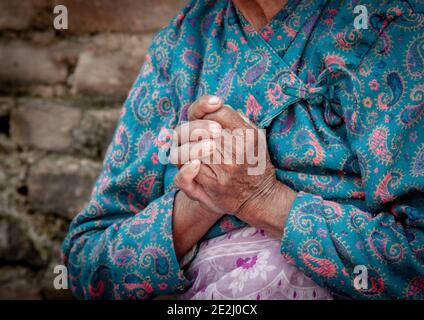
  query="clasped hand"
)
[{"x": 223, "y": 159}]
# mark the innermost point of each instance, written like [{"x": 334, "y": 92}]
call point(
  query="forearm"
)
[
  {"x": 270, "y": 209},
  {"x": 190, "y": 223},
  {"x": 102, "y": 245}
]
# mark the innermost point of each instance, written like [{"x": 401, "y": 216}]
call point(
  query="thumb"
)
[{"x": 185, "y": 177}]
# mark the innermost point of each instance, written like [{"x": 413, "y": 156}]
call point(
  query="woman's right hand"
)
[
  {"x": 193, "y": 218},
  {"x": 194, "y": 141}
]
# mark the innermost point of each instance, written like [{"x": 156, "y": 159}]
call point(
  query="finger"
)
[
  {"x": 185, "y": 176},
  {"x": 185, "y": 180},
  {"x": 197, "y": 130},
  {"x": 246, "y": 119},
  {"x": 202, "y": 106},
  {"x": 206, "y": 176},
  {"x": 228, "y": 118},
  {"x": 192, "y": 151}
]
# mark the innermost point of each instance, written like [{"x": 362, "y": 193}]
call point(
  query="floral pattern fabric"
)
[
  {"x": 246, "y": 264},
  {"x": 344, "y": 114}
]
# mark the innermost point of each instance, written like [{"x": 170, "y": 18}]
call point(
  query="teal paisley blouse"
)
[{"x": 344, "y": 114}]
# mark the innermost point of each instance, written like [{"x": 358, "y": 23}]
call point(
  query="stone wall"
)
[{"x": 60, "y": 96}]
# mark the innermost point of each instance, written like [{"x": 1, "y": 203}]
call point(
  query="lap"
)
[{"x": 247, "y": 264}]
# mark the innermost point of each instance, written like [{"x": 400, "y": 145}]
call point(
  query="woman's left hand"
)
[{"x": 240, "y": 172}]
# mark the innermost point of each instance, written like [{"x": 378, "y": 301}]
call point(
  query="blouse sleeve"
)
[
  {"x": 120, "y": 246},
  {"x": 375, "y": 252},
  {"x": 355, "y": 253}
]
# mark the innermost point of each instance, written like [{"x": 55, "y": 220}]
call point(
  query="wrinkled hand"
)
[
  {"x": 195, "y": 141},
  {"x": 236, "y": 173}
]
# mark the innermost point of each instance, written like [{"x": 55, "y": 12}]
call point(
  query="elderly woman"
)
[{"x": 343, "y": 180}]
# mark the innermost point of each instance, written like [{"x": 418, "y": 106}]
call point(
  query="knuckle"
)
[
  {"x": 203, "y": 101},
  {"x": 182, "y": 179},
  {"x": 227, "y": 112},
  {"x": 205, "y": 98},
  {"x": 177, "y": 180},
  {"x": 192, "y": 110}
]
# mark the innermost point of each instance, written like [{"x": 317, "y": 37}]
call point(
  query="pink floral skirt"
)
[{"x": 247, "y": 264}]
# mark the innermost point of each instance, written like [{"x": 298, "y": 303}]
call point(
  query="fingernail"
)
[{"x": 213, "y": 100}]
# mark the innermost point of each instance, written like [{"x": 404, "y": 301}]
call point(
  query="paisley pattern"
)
[
  {"x": 344, "y": 113},
  {"x": 256, "y": 66},
  {"x": 414, "y": 58}
]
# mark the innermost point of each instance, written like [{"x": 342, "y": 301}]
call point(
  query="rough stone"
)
[
  {"x": 44, "y": 124},
  {"x": 18, "y": 283},
  {"x": 47, "y": 91},
  {"x": 6, "y": 105},
  {"x": 15, "y": 244},
  {"x": 20, "y": 15},
  {"x": 109, "y": 68},
  {"x": 13, "y": 167},
  {"x": 95, "y": 132},
  {"x": 60, "y": 97},
  {"x": 24, "y": 64},
  {"x": 127, "y": 16},
  {"x": 61, "y": 185}
]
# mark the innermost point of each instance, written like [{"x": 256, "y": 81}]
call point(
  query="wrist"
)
[
  {"x": 269, "y": 209},
  {"x": 197, "y": 210},
  {"x": 259, "y": 200},
  {"x": 209, "y": 215},
  {"x": 190, "y": 223}
]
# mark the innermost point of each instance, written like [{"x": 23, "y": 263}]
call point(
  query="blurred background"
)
[{"x": 60, "y": 96}]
